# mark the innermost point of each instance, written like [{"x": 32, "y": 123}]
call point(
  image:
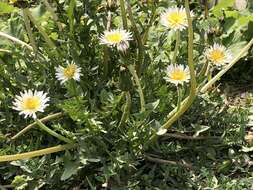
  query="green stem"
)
[
  {"x": 123, "y": 14},
  {"x": 189, "y": 100},
  {"x": 126, "y": 109},
  {"x": 151, "y": 21},
  {"x": 179, "y": 97},
  {"x": 28, "y": 29},
  {"x": 36, "y": 153},
  {"x": 45, "y": 119},
  {"x": 51, "y": 132},
  {"x": 203, "y": 70},
  {"x": 139, "y": 88},
  {"x": 9, "y": 37},
  {"x": 42, "y": 32},
  {"x": 223, "y": 71},
  {"x": 138, "y": 38},
  {"x": 174, "y": 59}
]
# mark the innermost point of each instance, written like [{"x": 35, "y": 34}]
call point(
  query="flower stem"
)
[
  {"x": 139, "y": 88},
  {"x": 222, "y": 72},
  {"x": 126, "y": 109},
  {"x": 28, "y": 29},
  {"x": 36, "y": 153},
  {"x": 45, "y": 119},
  {"x": 42, "y": 32},
  {"x": 51, "y": 132},
  {"x": 9, "y": 37},
  {"x": 174, "y": 59},
  {"x": 138, "y": 38},
  {"x": 123, "y": 14},
  {"x": 179, "y": 97},
  {"x": 193, "y": 82}
]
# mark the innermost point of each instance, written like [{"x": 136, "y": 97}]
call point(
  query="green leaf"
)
[
  {"x": 69, "y": 170},
  {"x": 200, "y": 129},
  {"x": 222, "y": 5},
  {"x": 6, "y": 8},
  {"x": 70, "y": 13}
]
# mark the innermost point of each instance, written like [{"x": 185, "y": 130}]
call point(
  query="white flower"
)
[
  {"x": 116, "y": 38},
  {"x": 29, "y": 102},
  {"x": 175, "y": 18},
  {"x": 218, "y": 55},
  {"x": 177, "y": 74},
  {"x": 72, "y": 71}
]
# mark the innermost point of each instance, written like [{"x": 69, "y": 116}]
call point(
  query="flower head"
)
[
  {"x": 175, "y": 18},
  {"x": 29, "y": 102},
  {"x": 116, "y": 38},
  {"x": 218, "y": 55},
  {"x": 177, "y": 74},
  {"x": 71, "y": 71}
]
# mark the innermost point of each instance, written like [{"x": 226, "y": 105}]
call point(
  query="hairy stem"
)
[
  {"x": 138, "y": 38},
  {"x": 179, "y": 97},
  {"x": 45, "y": 119},
  {"x": 193, "y": 88},
  {"x": 36, "y": 153},
  {"x": 126, "y": 109},
  {"x": 138, "y": 83},
  {"x": 174, "y": 59},
  {"x": 123, "y": 14},
  {"x": 222, "y": 72},
  {"x": 9, "y": 37},
  {"x": 42, "y": 32},
  {"x": 28, "y": 29},
  {"x": 51, "y": 132}
]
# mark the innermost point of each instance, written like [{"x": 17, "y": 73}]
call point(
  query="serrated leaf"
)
[
  {"x": 69, "y": 170},
  {"x": 223, "y": 4}
]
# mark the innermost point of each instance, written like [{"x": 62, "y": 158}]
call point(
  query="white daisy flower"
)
[
  {"x": 116, "y": 38},
  {"x": 218, "y": 55},
  {"x": 72, "y": 71},
  {"x": 177, "y": 74},
  {"x": 29, "y": 102},
  {"x": 175, "y": 18}
]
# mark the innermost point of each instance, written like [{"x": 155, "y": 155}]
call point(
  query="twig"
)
[{"x": 162, "y": 161}]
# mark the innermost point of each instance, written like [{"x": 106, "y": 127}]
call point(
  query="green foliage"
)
[{"x": 203, "y": 149}]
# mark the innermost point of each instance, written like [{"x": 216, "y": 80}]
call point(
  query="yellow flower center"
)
[
  {"x": 114, "y": 37},
  {"x": 69, "y": 71},
  {"x": 13, "y": 1},
  {"x": 176, "y": 18},
  {"x": 178, "y": 75},
  {"x": 31, "y": 103},
  {"x": 217, "y": 55}
]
